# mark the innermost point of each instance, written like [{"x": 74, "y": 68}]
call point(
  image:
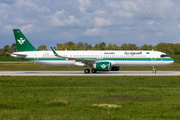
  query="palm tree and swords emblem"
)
[
  {"x": 21, "y": 41},
  {"x": 103, "y": 66}
]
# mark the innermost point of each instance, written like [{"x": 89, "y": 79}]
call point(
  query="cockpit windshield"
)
[{"x": 164, "y": 55}]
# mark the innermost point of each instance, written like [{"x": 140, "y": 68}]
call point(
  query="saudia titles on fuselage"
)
[
  {"x": 126, "y": 53},
  {"x": 109, "y": 52},
  {"x": 133, "y": 53}
]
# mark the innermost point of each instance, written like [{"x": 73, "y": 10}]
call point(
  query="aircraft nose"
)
[{"x": 172, "y": 60}]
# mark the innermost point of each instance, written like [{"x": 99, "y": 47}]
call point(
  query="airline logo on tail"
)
[
  {"x": 21, "y": 41},
  {"x": 103, "y": 66}
]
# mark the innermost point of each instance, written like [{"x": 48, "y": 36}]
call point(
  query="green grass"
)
[
  {"x": 84, "y": 97},
  {"x": 176, "y": 58},
  {"x": 172, "y": 67},
  {"x": 10, "y": 59}
]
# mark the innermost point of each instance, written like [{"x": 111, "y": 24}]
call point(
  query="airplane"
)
[{"x": 98, "y": 60}]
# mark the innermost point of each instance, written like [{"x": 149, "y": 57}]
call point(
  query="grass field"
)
[
  {"x": 10, "y": 59},
  {"x": 89, "y": 98},
  {"x": 176, "y": 58}
]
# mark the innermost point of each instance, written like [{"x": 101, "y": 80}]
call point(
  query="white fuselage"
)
[{"x": 116, "y": 58}]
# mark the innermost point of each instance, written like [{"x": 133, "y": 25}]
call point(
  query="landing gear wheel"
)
[
  {"x": 94, "y": 71},
  {"x": 154, "y": 71},
  {"x": 86, "y": 71}
]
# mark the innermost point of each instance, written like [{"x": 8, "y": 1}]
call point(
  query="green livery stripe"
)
[{"x": 94, "y": 58}]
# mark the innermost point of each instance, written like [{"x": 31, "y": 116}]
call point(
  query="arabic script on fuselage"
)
[{"x": 133, "y": 53}]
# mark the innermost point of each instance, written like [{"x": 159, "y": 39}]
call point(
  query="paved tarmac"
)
[{"x": 81, "y": 73}]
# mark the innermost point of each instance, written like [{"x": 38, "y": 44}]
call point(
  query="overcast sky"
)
[{"x": 112, "y": 21}]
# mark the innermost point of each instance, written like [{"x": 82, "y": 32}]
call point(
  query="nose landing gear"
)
[{"x": 154, "y": 70}]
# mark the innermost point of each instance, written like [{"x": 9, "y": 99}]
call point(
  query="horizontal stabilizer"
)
[{"x": 18, "y": 55}]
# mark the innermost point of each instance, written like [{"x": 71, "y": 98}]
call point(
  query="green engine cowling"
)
[{"x": 102, "y": 66}]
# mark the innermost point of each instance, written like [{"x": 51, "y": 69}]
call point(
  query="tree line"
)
[{"x": 168, "y": 48}]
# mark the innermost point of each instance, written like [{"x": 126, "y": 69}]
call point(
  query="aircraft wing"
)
[{"x": 86, "y": 61}]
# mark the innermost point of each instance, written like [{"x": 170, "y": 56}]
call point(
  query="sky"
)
[{"x": 93, "y": 21}]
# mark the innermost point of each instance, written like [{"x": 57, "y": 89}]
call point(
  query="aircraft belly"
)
[
  {"x": 141, "y": 63},
  {"x": 160, "y": 63},
  {"x": 58, "y": 63}
]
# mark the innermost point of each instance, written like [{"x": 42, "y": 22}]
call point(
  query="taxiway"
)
[{"x": 81, "y": 73}]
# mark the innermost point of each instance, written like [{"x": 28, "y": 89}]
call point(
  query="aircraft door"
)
[
  {"x": 36, "y": 56},
  {"x": 153, "y": 56},
  {"x": 99, "y": 56}
]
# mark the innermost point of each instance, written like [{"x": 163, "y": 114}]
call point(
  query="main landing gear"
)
[
  {"x": 154, "y": 70},
  {"x": 94, "y": 71},
  {"x": 88, "y": 71}
]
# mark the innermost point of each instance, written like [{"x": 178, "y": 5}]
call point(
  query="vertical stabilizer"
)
[{"x": 22, "y": 42}]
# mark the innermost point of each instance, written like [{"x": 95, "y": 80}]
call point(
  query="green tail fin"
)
[{"x": 22, "y": 42}]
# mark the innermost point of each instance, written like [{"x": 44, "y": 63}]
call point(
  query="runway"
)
[{"x": 81, "y": 73}]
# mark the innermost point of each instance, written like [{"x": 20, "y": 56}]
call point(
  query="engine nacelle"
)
[
  {"x": 115, "y": 68},
  {"x": 102, "y": 66}
]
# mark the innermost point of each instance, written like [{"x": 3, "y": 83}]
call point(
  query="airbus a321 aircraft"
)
[{"x": 99, "y": 60}]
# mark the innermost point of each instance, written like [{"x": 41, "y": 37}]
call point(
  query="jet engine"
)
[{"x": 102, "y": 66}]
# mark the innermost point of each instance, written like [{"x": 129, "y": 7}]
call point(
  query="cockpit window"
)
[{"x": 164, "y": 55}]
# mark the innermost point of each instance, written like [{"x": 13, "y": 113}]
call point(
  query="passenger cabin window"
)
[{"x": 164, "y": 55}]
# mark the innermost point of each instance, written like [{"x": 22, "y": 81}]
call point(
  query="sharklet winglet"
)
[{"x": 55, "y": 52}]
